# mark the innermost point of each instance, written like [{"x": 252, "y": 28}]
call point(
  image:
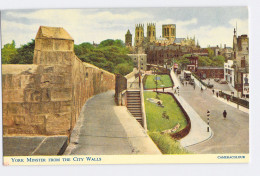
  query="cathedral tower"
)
[
  {"x": 151, "y": 32},
  {"x": 169, "y": 31},
  {"x": 139, "y": 34},
  {"x": 128, "y": 39}
]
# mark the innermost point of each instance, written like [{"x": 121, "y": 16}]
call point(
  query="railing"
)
[
  {"x": 143, "y": 105},
  {"x": 233, "y": 99}
]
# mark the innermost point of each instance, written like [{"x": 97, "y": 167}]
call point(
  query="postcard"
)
[{"x": 125, "y": 85}]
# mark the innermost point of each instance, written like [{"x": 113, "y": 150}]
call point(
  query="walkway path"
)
[{"x": 106, "y": 129}]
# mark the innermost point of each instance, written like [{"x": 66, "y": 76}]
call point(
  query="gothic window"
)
[
  {"x": 153, "y": 33},
  {"x": 149, "y": 33}
]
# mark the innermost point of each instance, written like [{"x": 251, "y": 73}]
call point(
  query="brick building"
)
[
  {"x": 210, "y": 72},
  {"x": 193, "y": 63}
]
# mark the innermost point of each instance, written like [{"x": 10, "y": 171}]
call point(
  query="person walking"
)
[
  {"x": 225, "y": 114},
  {"x": 186, "y": 83},
  {"x": 213, "y": 91},
  {"x": 201, "y": 89}
]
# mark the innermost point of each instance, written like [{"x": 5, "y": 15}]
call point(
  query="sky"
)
[{"x": 210, "y": 25}]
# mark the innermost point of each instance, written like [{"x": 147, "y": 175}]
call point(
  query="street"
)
[{"x": 231, "y": 135}]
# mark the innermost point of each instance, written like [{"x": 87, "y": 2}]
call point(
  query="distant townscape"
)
[{"x": 221, "y": 61}]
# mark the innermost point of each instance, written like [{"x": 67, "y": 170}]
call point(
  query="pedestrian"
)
[
  {"x": 225, "y": 114},
  {"x": 213, "y": 91},
  {"x": 186, "y": 83},
  {"x": 201, "y": 89},
  {"x": 194, "y": 86},
  {"x": 163, "y": 89},
  {"x": 217, "y": 94}
]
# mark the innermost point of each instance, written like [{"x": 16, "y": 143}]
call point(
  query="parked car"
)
[{"x": 210, "y": 85}]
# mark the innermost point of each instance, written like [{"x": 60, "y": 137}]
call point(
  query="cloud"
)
[{"x": 87, "y": 25}]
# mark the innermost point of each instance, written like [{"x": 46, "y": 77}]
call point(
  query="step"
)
[
  {"x": 133, "y": 105},
  {"x": 133, "y": 96},
  {"x": 134, "y": 108},
  {"x": 138, "y": 118},
  {"x": 139, "y": 99},
  {"x": 137, "y": 114}
]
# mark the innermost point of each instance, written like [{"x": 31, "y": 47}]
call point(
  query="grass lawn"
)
[
  {"x": 166, "y": 144},
  {"x": 154, "y": 113},
  {"x": 162, "y": 80}
]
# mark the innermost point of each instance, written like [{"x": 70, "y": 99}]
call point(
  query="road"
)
[{"x": 230, "y": 135}]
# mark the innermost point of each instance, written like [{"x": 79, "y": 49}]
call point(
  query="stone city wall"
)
[{"x": 45, "y": 98}]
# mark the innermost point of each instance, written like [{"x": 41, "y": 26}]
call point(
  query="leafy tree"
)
[
  {"x": 123, "y": 69},
  {"x": 218, "y": 61},
  {"x": 8, "y": 52},
  {"x": 211, "y": 53},
  {"x": 183, "y": 61},
  {"x": 24, "y": 54},
  {"x": 110, "y": 55},
  {"x": 204, "y": 61}
]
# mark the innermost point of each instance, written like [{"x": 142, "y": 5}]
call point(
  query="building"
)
[
  {"x": 169, "y": 32},
  {"x": 210, "y": 72},
  {"x": 128, "y": 39},
  {"x": 229, "y": 74},
  {"x": 188, "y": 42},
  {"x": 140, "y": 61},
  {"x": 151, "y": 32},
  {"x": 193, "y": 65},
  {"x": 241, "y": 61},
  {"x": 227, "y": 52},
  {"x": 139, "y": 34}
]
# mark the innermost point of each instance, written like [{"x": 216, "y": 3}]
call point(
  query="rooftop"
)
[{"x": 53, "y": 33}]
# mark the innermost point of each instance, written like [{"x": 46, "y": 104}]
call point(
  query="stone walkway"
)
[{"x": 106, "y": 129}]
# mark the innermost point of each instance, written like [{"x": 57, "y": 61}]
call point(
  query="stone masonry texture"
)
[{"x": 46, "y": 97}]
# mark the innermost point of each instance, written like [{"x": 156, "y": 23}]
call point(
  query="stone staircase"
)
[{"x": 134, "y": 105}]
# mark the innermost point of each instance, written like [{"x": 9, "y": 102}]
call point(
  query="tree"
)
[
  {"x": 211, "y": 53},
  {"x": 24, "y": 54},
  {"x": 183, "y": 61},
  {"x": 204, "y": 61},
  {"x": 123, "y": 69},
  {"x": 8, "y": 52},
  {"x": 218, "y": 61},
  {"x": 110, "y": 55}
]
